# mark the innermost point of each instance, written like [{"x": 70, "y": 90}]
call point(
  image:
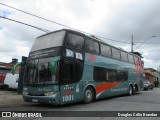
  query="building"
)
[
  {"x": 152, "y": 75},
  {"x": 11, "y": 64},
  {"x": 2, "y": 63},
  {"x": 157, "y": 75}
]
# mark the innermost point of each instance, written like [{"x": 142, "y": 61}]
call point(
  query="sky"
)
[{"x": 114, "y": 19}]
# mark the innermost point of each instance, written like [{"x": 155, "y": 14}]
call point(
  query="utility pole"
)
[{"x": 132, "y": 43}]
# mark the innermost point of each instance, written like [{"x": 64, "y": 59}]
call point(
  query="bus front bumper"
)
[{"x": 53, "y": 99}]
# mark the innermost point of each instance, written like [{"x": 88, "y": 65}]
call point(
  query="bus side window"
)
[
  {"x": 115, "y": 53},
  {"x": 78, "y": 70},
  {"x": 104, "y": 74},
  {"x": 105, "y": 50},
  {"x": 92, "y": 46},
  {"x": 99, "y": 74},
  {"x": 75, "y": 41},
  {"x": 111, "y": 75},
  {"x": 70, "y": 72},
  {"x": 125, "y": 75},
  {"x": 66, "y": 72},
  {"x": 130, "y": 58},
  {"x": 96, "y": 47},
  {"x": 121, "y": 75},
  {"x": 89, "y": 45},
  {"x": 124, "y": 56}
]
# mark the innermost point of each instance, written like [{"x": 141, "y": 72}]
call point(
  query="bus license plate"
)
[{"x": 34, "y": 100}]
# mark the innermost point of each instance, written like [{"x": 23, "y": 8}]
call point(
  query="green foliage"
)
[{"x": 156, "y": 83}]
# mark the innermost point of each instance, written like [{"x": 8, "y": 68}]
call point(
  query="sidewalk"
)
[{"x": 10, "y": 98}]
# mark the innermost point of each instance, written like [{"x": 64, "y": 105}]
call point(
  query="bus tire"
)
[
  {"x": 89, "y": 95},
  {"x": 135, "y": 89},
  {"x": 130, "y": 90}
]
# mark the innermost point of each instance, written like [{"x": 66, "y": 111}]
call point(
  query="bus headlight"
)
[
  {"x": 50, "y": 93},
  {"x": 25, "y": 89},
  {"x": 25, "y": 93}
]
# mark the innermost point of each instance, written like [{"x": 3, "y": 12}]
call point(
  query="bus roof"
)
[{"x": 89, "y": 36}]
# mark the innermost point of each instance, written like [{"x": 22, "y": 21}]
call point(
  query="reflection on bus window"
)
[
  {"x": 92, "y": 46},
  {"x": 105, "y": 50},
  {"x": 130, "y": 58},
  {"x": 75, "y": 41},
  {"x": 67, "y": 71},
  {"x": 115, "y": 53},
  {"x": 71, "y": 71},
  {"x": 103, "y": 74},
  {"x": 106, "y": 74},
  {"x": 38, "y": 71},
  {"x": 124, "y": 56}
]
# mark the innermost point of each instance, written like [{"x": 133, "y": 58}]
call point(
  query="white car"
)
[{"x": 11, "y": 81}]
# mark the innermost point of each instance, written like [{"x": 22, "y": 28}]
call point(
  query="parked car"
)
[
  {"x": 148, "y": 85},
  {"x": 11, "y": 81},
  {"x": 3, "y": 71}
]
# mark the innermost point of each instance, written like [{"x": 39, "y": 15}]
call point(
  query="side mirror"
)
[
  {"x": 15, "y": 67},
  {"x": 53, "y": 65}
]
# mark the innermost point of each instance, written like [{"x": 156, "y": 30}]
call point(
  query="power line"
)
[
  {"x": 156, "y": 43},
  {"x": 61, "y": 24},
  {"x": 41, "y": 29},
  {"x": 138, "y": 48},
  {"x": 36, "y": 16},
  {"x": 144, "y": 42},
  {"x": 112, "y": 39}
]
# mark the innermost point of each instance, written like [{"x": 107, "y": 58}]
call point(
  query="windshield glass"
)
[
  {"x": 48, "y": 41},
  {"x": 41, "y": 71}
]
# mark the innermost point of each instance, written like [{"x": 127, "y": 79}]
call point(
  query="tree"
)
[{"x": 156, "y": 83}]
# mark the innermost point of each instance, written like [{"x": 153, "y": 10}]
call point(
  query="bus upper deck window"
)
[
  {"x": 115, "y": 53},
  {"x": 75, "y": 41},
  {"x": 105, "y": 50},
  {"x": 130, "y": 58},
  {"x": 124, "y": 56},
  {"x": 92, "y": 46}
]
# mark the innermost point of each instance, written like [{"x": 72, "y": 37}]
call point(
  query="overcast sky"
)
[{"x": 114, "y": 19}]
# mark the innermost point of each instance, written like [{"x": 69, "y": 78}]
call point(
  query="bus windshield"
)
[
  {"x": 41, "y": 71},
  {"x": 48, "y": 41}
]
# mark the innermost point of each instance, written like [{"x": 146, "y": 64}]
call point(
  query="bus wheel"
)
[
  {"x": 130, "y": 90},
  {"x": 88, "y": 95},
  {"x": 135, "y": 89}
]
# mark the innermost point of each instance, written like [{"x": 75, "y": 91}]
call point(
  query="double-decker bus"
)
[{"x": 67, "y": 66}]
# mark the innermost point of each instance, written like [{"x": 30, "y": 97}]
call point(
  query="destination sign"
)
[{"x": 44, "y": 53}]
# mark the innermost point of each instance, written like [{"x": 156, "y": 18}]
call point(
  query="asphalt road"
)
[{"x": 144, "y": 101}]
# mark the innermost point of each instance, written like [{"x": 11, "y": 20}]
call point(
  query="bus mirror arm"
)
[{"x": 15, "y": 67}]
